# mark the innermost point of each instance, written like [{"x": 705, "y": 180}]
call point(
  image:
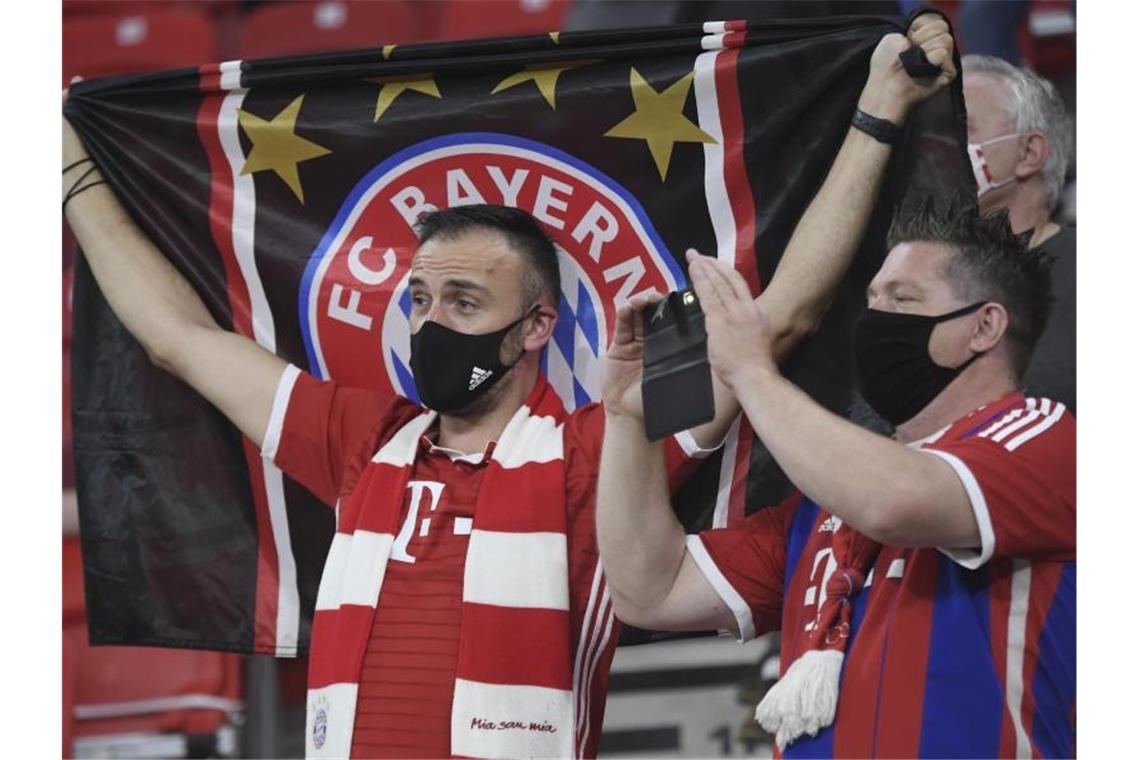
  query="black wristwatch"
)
[{"x": 882, "y": 130}]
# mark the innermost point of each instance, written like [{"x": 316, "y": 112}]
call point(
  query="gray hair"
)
[{"x": 1033, "y": 105}]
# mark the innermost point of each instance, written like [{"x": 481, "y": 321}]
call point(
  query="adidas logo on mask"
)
[{"x": 478, "y": 375}]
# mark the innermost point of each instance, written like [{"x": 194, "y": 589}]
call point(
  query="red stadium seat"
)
[
  {"x": 313, "y": 27},
  {"x": 1048, "y": 39},
  {"x": 464, "y": 19},
  {"x": 119, "y": 44},
  {"x": 141, "y": 701}
]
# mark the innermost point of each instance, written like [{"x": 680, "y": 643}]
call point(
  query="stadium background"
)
[{"x": 689, "y": 698}]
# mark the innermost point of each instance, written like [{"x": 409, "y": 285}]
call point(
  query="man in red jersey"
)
[
  {"x": 462, "y": 609},
  {"x": 925, "y": 586}
]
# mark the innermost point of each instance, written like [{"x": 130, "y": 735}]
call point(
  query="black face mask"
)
[
  {"x": 452, "y": 369},
  {"x": 895, "y": 373}
]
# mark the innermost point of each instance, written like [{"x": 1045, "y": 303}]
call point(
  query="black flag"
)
[{"x": 285, "y": 191}]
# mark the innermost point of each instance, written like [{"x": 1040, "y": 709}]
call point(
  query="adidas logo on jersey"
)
[
  {"x": 830, "y": 525},
  {"x": 478, "y": 375}
]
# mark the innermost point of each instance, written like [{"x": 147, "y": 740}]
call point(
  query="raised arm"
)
[
  {"x": 653, "y": 580},
  {"x": 160, "y": 308},
  {"x": 828, "y": 234}
]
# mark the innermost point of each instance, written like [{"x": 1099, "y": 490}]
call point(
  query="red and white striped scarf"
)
[{"x": 513, "y": 687}]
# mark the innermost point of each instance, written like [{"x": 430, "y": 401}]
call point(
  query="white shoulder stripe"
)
[
  {"x": 1037, "y": 429},
  {"x": 1008, "y": 418},
  {"x": 272, "y": 438},
  {"x": 732, "y": 599},
  {"x": 1028, "y": 419}
]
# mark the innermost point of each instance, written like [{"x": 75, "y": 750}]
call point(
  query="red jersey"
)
[
  {"x": 952, "y": 653},
  {"x": 324, "y": 439}
]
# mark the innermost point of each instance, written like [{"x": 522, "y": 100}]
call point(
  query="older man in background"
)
[{"x": 1021, "y": 143}]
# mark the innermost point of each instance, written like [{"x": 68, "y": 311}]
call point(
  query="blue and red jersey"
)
[{"x": 952, "y": 653}]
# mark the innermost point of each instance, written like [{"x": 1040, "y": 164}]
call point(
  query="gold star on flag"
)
[
  {"x": 554, "y": 36},
  {"x": 277, "y": 146},
  {"x": 659, "y": 119},
  {"x": 392, "y": 87},
  {"x": 386, "y": 51},
  {"x": 544, "y": 76}
]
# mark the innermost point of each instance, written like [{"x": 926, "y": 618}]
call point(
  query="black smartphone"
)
[{"x": 676, "y": 381}]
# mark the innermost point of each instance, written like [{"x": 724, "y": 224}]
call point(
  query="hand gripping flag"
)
[{"x": 285, "y": 190}]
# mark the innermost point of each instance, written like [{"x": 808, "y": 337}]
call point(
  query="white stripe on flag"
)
[
  {"x": 716, "y": 192},
  {"x": 727, "y": 471},
  {"x": 242, "y": 229},
  {"x": 713, "y": 42},
  {"x": 231, "y": 75},
  {"x": 1037, "y": 429},
  {"x": 1015, "y": 649},
  {"x": 715, "y": 27}
]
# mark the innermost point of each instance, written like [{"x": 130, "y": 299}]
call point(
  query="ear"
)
[
  {"x": 539, "y": 327},
  {"x": 1034, "y": 152},
  {"x": 993, "y": 320}
]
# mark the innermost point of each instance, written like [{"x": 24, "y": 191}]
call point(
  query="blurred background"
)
[{"x": 686, "y": 698}]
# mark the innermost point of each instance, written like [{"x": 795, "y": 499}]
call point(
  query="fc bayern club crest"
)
[
  {"x": 354, "y": 298},
  {"x": 320, "y": 727}
]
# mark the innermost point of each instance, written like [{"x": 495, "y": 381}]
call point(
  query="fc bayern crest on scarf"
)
[{"x": 355, "y": 302}]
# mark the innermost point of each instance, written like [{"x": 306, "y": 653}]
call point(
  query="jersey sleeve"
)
[
  {"x": 744, "y": 565},
  {"x": 585, "y": 430},
  {"x": 1021, "y": 481},
  {"x": 318, "y": 429},
  {"x": 683, "y": 455}
]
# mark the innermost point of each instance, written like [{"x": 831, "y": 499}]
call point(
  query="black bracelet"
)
[
  {"x": 74, "y": 192},
  {"x": 69, "y": 167},
  {"x": 881, "y": 129}
]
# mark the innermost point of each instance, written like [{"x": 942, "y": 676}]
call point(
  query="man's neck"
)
[
  {"x": 1029, "y": 209},
  {"x": 472, "y": 434},
  {"x": 974, "y": 388}
]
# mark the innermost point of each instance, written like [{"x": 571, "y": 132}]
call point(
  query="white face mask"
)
[{"x": 982, "y": 173}]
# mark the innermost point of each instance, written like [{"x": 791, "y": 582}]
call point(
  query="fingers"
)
[
  {"x": 712, "y": 292},
  {"x": 927, "y": 27},
  {"x": 624, "y": 330},
  {"x": 639, "y": 301},
  {"x": 731, "y": 279},
  {"x": 931, "y": 32}
]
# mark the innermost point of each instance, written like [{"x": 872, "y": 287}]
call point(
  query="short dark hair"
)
[
  {"x": 523, "y": 234},
  {"x": 990, "y": 263}
]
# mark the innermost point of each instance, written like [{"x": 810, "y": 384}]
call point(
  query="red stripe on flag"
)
[
  {"x": 210, "y": 77},
  {"x": 739, "y": 189},
  {"x": 517, "y": 631},
  {"x": 221, "y": 220},
  {"x": 736, "y": 179}
]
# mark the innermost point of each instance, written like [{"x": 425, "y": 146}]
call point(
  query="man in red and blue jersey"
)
[{"x": 925, "y": 586}]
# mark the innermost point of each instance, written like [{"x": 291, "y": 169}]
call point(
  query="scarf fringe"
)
[{"x": 804, "y": 700}]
